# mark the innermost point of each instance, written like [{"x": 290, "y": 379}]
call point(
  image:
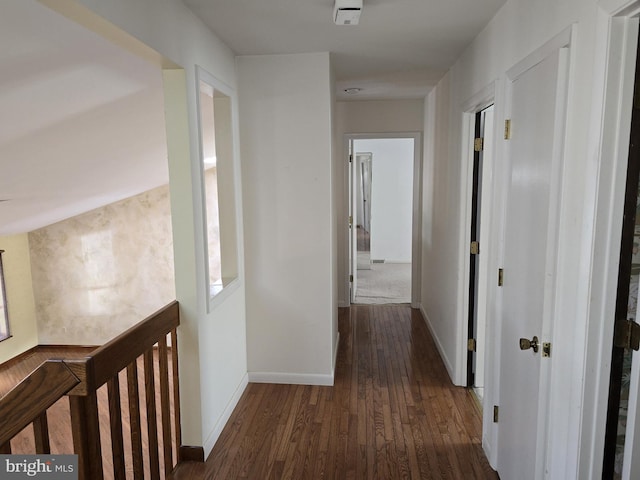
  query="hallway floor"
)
[
  {"x": 393, "y": 413},
  {"x": 384, "y": 283}
]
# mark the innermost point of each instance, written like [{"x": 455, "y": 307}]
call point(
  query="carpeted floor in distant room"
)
[{"x": 384, "y": 283}]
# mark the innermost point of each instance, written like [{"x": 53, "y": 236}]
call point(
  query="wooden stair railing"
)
[
  {"x": 81, "y": 382},
  {"x": 28, "y": 402}
]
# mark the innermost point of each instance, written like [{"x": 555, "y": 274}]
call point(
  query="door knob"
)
[{"x": 526, "y": 344}]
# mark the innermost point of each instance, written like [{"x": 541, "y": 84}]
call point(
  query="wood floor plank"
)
[{"x": 391, "y": 414}]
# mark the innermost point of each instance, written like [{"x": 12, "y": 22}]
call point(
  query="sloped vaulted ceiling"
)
[{"x": 82, "y": 120}]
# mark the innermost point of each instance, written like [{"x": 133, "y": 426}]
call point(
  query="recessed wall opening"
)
[{"x": 216, "y": 151}]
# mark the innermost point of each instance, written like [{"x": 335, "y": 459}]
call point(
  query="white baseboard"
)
[
  {"x": 291, "y": 378},
  {"x": 213, "y": 436},
  {"x": 298, "y": 378},
  {"x": 441, "y": 350}
]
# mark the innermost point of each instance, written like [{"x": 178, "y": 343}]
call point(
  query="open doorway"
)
[{"x": 381, "y": 214}]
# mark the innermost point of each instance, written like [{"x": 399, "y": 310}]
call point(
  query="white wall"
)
[
  {"x": 391, "y": 197},
  {"x": 285, "y": 123},
  {"x": 442, "y": 213},
  {"x": 212, "y": 344},
  {"x": 383, "y": 116},
  {"x": 518, "y": 29},
  {"x": 20, "y": 299}
]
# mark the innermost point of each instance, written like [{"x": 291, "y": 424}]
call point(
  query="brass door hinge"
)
[
  {"x": 500, "y": 277},
  {"x": 350, "y": 158},
  {"x": 351, "y": 278},
  {"x": 627, "y": 334},
  {"x": 350, "y": 220},
  {"x": 496, "y": 412},
  {"x": 471, "y": 344},
  {"x": 507, "y": 129},
  {"x": 478, "y": 144},
  {"x": 475, "y": 248}
]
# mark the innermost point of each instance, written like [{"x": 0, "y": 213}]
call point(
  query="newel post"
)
[{"x": 85, "y": 426}]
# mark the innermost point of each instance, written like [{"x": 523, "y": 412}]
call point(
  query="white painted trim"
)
[
  {"x": 491, "y": 248},
  {"x": 346, "y": 194},
  {"x": 416, "y": 229},
  {"x": 614, "y": 65},
  {"x": 466, "y": 187},
  {"x": 416, "y": 232},
  {"x": 436, "y": 339},
  {"x": 335, "y": 355},
  {"x": 298, "y": 378},
  {"x": 214, "y": 435},
  {"x": 553, "y": 407},
  {"x": 292, "y": 378},
  {"x": 563, "y": 39},
  {"x": 499, "y": 183},
  {"x": 481, "y": 100},
  {"x": 213, "y": 302},
  {"x": 476, "y": 103}
]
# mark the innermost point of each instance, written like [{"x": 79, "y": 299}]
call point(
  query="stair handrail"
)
[{"x": 27, "y": 402}]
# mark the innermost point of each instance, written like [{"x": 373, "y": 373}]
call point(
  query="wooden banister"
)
[
  {"x": 27, "y": 401},
  {"x": 80, "y": 380},
  {"x": 106, "y": 361}
]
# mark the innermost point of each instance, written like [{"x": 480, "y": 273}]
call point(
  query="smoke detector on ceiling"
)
[{"x": 347, "y": 12}]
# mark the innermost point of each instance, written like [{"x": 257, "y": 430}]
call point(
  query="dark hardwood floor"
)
[{"x": 392, "y": 414}]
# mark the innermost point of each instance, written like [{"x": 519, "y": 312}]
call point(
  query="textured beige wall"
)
[
  {"x": 97, "y": 274},
  {"x": 22, "y": 309}
]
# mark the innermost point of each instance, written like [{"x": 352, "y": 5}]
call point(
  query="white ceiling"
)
[
  {"x": 82, "y": 120},
  {"x": 400, "y": 48}
]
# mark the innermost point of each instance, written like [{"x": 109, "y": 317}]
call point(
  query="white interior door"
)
[{"x": 538, "y": 97}]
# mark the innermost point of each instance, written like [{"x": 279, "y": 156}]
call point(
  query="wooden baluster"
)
[
  {"x": 176, "y": 391},
  {"x": 165, "y": 407},
  {"x": 152, "y": 419},
  {"x": 86, "y": 435},
  {"x": 41, "y": 434},
  {"x": 134, "y": 420},
  {"x": 5, "y": 449},
  {"x": 115, "y": 421}
]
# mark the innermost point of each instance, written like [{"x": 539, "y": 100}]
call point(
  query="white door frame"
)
[
  {"x": 491, "y": 240},
  {"x": 614, "y": 68},
  {"x": 416, "y": 247}
]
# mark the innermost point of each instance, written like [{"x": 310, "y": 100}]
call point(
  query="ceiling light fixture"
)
[
  {"x": 352, "y": 90},
  {"x": 347, "y": 12}
]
